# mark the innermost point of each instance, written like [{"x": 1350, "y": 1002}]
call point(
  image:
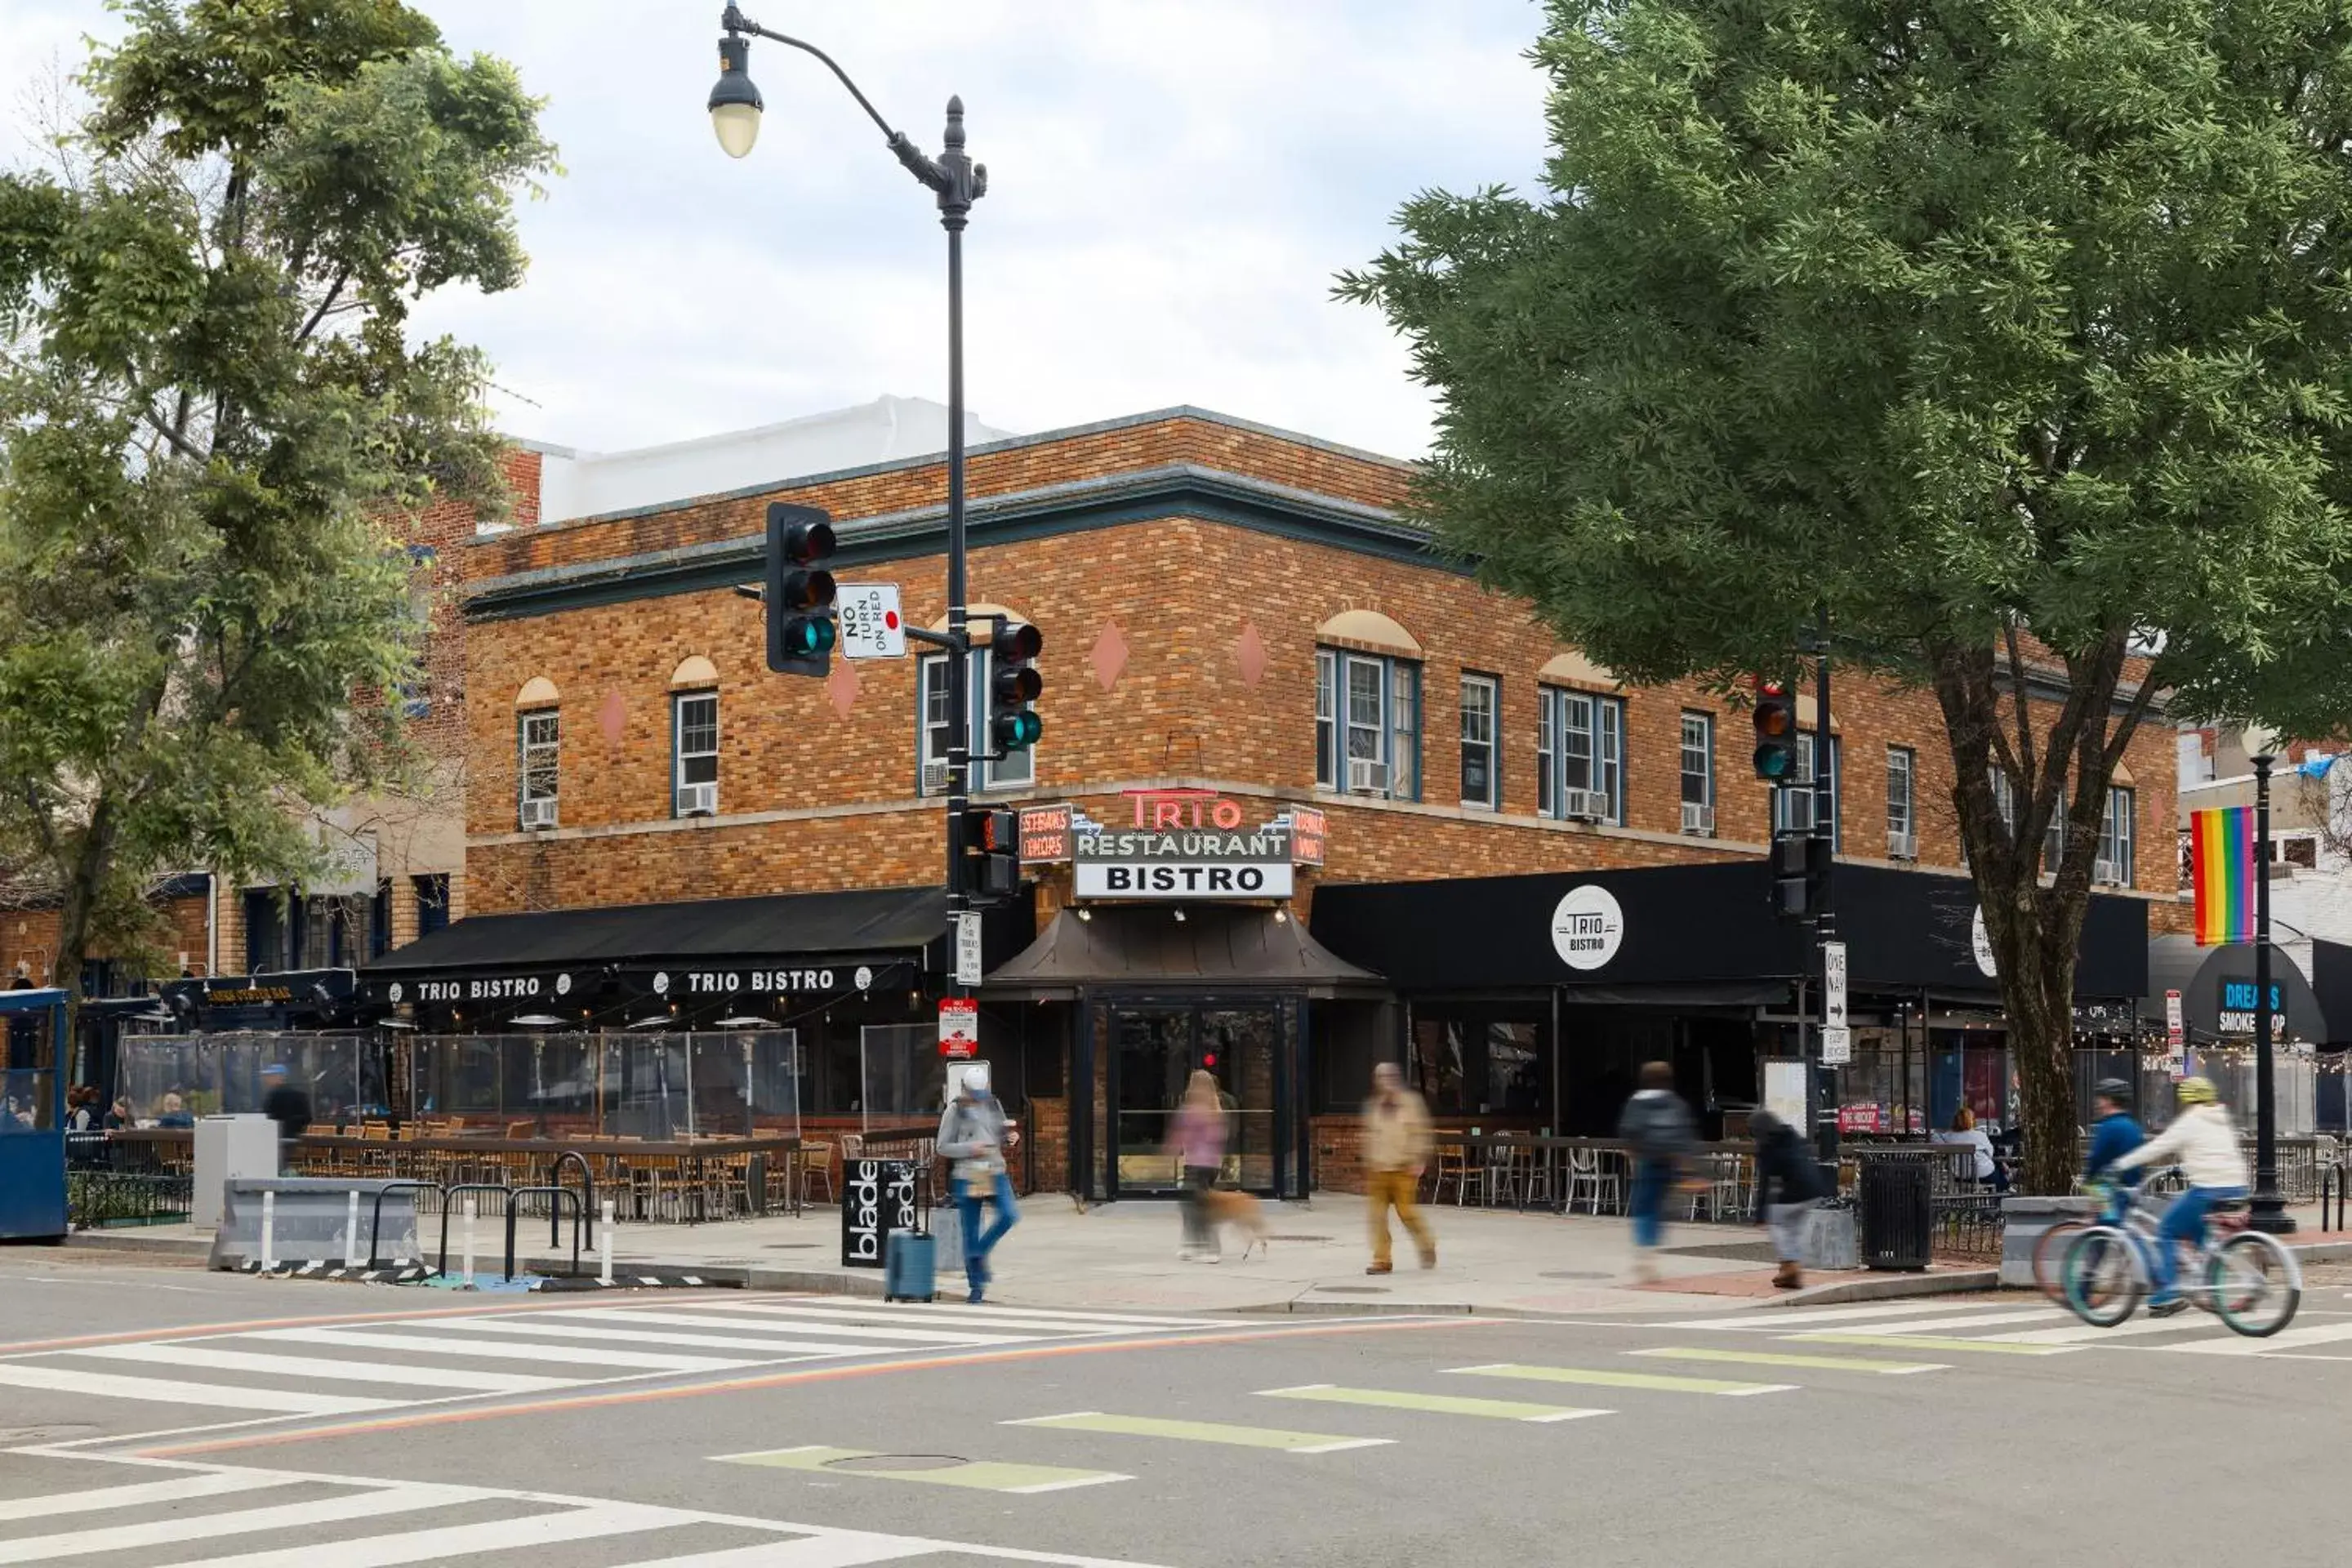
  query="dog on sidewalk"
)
[{"x": 1240, "y": 1210}]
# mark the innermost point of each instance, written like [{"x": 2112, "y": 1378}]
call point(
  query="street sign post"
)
[
  {"x": 870, "y": 621},
  {"x": 1837, "y": 1045},
  {"x": 1833, "y": 985},
  {"x": 958, "y": 1027},
  {"x": 968, "y": 958}
]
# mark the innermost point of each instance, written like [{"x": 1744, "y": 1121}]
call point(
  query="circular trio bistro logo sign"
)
[
  {"x": 1983, "y": 944},
  {"x": 1587, "y": 927}
]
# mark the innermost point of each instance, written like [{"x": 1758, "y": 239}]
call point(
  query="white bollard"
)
[
  {"x": 469, "y": 1244},
  {"x": 352, "y": 1231},
  {"x": 604, "y": 1246},
  {"x": 269, "y": 1225}
]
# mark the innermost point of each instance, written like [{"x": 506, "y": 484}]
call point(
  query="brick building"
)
[{"x": 1237, "y": 621}]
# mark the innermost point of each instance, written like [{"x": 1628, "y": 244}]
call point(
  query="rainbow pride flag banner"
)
[{"x": 2221, "y": 864}]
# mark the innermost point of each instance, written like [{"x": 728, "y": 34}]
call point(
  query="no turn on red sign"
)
[{"x": 958, "y": 1027}]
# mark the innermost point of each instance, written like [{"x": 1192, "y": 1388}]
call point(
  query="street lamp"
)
[
  {"x": 2268, "y": 1203},
  {"x": 957, "y": 182}
]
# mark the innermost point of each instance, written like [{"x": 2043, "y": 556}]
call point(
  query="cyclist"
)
[
  {"x": 2118, "y": 1134},
  {"x": 2203, "y": 1140}
]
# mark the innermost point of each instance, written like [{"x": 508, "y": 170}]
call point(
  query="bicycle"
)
[
  {"x": 2050, "y": 1248},
  {"x": 2247, "y": 1278}
]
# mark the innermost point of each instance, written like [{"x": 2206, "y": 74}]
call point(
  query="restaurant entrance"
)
[{"x": 1155, "y": 1050}]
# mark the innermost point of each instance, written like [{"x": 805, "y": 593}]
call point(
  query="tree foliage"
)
[
  {"x": 211, "y": 420},
  {"x": 2011, "y": 333}
]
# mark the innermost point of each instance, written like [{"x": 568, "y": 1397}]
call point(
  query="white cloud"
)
[{"x": 1173, "y": 184}]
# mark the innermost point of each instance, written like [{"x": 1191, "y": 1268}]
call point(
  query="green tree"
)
[
  {"x": 211, "y": 420},
  {"x": 2012, "y": 333}
]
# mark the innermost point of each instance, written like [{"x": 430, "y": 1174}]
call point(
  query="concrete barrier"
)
[
  {"x": 310, "y": 1220},
  {"x": 2024, "y": 1221}
]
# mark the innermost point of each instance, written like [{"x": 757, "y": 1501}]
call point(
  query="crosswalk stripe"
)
[
  {"x": 979, "y": 1475},
  {"x": 2285, "y": 1340},
  {"x": 173, "y": 1391},
  {"x": 528, "y": 1326},
  {"x": 1201, "y": 1432},
  {"x": 945, "y": 1334},
  {"x": 457, "y": 1541},
  {"x": 1968, "y": 1321},
  {"x": 1659, "y": 1382},
  {"x": 1775, "y": 1317},
  {"x": 1930, "y": 1342},
  {"x": 502, "y": 1350},
  {"x": 374, "y": 1504},
  {"x": 180, "y": 1352},
  {"x": 139, "y": 1494},
  {"x": 836, "y": 1549},
  {"x": 954, "y": 1318},
  {"x": 1778, "y": 1358},
  {"x": 2081, "y": 1333},
  {"x": 1437, "y": 1403}
]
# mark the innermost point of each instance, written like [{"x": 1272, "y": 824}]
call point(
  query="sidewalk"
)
[{"x": 1123, "y": 1255}]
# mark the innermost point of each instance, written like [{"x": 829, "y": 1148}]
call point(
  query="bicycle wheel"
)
[
  {"x": 2102, "y": 1276},
  {"x": 2050, "y": 1256},
  {"x": 2256, "y": 1283}
]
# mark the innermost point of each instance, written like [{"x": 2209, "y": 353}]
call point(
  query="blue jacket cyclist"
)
[{"x": 2119, "y": 1133}]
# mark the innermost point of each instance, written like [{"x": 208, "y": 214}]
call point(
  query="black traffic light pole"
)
[
  {"x": 1824, "y": 1107},
  {"x": 957, "y": 182}
]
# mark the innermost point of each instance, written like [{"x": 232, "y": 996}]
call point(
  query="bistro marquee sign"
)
[
  {"x": 679, "y": 984},
  {"x": 1179, "y": 844}
]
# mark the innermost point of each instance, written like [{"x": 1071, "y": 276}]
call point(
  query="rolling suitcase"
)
[{"x": 910, "y": 1267}]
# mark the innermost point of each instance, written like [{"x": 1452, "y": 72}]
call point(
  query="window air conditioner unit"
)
[
  {"x": 539, "y": 813},
  {"x": 698, "y": 800},
  {"x": 1797, "y": 809},
  {"x": 1697, "y": 818},
  {"x": 935, "y": 778},
  {"x": 1902, "y": 846},
  {"x": 1367, "y": 775},
  {"x": 1583, "y": 805},
  {"x": 2106, "y": 870}
]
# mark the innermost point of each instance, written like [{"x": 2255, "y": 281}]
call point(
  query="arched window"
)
[
  {"x": 538, "y": 737},
  {"x": 1368, "y": 706},
  {"x": 694, "y": 738}
]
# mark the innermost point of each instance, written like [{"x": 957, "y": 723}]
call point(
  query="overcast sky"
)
[{"x": 1172, "y": 184}]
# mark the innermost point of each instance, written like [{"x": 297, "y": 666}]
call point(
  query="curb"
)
[{"x": 1888, "y": 1287}]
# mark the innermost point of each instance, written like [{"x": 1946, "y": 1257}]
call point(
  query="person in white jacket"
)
[{"x": 2205, "y": 1143}]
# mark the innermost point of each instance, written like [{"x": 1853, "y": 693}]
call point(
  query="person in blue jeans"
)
[
  {"x": 1656, "y": 1127},
  {"x": 2118, "y": 1133},
  {"x": 974, "y": 1132},
  {"x": 2205, "y": 1142}
]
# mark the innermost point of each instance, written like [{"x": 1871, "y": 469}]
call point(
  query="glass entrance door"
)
[{"x": 1155, "y": 1050}]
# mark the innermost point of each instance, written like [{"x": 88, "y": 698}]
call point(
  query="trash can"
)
[{"x": 1897, "y": 1214}]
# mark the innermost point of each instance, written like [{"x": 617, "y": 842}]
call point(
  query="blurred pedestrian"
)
[
  {"x": 974, "y": 1132},
  {"x": 1656, "y": 1127},
  {"x": 1396, "y": 1143},
  {"x": 287, "y": 1106},
  {"x": 1788, "y": 1182},
  {"x": 1198, "y": 1139}
]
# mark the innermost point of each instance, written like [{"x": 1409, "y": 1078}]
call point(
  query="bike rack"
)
[
  {"x": 587, "y": 1205},
  {"x": 449, "y": 1205},
  {"x": 554, "y": 1218},
  {"x": 375, "y": 1218}
]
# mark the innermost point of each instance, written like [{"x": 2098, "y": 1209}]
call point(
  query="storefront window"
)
[{"x": 1470, "y": 1067}]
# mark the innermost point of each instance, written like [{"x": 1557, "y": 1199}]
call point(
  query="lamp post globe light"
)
[{"x": 956, "y": 182}]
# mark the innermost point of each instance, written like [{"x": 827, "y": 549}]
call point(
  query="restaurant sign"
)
[
  {"x": 1182, "y": 844},
  {"x": 578, "y": 987}
]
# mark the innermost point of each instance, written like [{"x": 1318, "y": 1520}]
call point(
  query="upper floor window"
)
[
  {"x": 1368, "y": 724},
  {"x": 2116, "y": 832},
  {"x": 1016, "y": 770},
  {"x": 1902, "y": 818},
  {"x": 537, "y": 735},
  {"x": 1698, "y": 773},
  {"x": 1580, "y": 755},
  {"x": 1794, "y": 808},
  {"x": 694, "y": 754},
  {"x": 1482, "y": 780}
]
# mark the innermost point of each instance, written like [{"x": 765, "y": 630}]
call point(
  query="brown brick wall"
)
[{"x": 29, "y": 936}]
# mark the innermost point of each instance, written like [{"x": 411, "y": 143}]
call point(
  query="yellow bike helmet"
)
[{"x": 2194, "y": 1092}]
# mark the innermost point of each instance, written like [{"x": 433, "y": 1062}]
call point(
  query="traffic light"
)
[
  {"x": 1800, "y": 866},
  {"x": 800, "y": 591},
  {"x": 1013, "y": 684},
  {"x": 1775, "y": 731},
  {"x": 994, "y": 839}
]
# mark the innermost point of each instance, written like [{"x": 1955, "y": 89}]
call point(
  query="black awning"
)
[
  {"x": 2217, "y": 989},
  {"x": 1684, "y": 926},
  {"x": 1148, "y": 948},
  {"x": 2331, "y": 984},
  {"x": 853, "y": 940}
]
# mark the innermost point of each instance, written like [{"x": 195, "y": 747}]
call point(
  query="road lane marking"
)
[
  {"x": 1201, "y": 1432},
  {"x": 776, "y": 1348},
  {"x": 2081, "y": 1333},
  {"x": 170, "y": 1390},
  {"x": 1929, "y": 1341},
  {"x": 139, "y": 1494},
  {"x": 1659, "y": 1382},
  {"x": 840, "y": 1549},
  {"x": 955, "y": 1319},
  {"x": 979, "y": 1475},
  {"x": 376, "y": 1503},
  {"x": 1435, "y": 1403},
  {"x": 737, "y": 1324},
  {"x": 502, "y": 1350},
  {"x": 186, "y": 1355},
  {"x": 2285, "y": 1340},
  {"x": 1804, "y": 1317},
  {"x": 1777, "y": 1358},
  {"x": 1973, "y": 1321},
  {"x": 453, "y": 1542}
]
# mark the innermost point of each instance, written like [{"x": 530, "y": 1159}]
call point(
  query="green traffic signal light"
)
[
  {"x": 809, "y": 635},
  {"x": 1017, "y": 731}
]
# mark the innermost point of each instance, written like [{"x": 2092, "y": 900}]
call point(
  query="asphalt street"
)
[{"x": 158, "y": 1416}]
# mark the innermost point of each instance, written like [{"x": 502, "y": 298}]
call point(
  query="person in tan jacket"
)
[{"x": 1395, "y": 1149}]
